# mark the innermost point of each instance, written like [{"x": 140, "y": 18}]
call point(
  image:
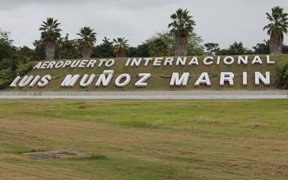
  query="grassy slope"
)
[
  {"x": 145, "y": 139},
  {"x": 159, "y": 83}
]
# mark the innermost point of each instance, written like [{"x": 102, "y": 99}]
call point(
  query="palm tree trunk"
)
[
  {"x": 86, "y": 52},
  {"x": 50, "y": 49},
  {"x": 181, "y": 45},
  {"x": 120, "y": 53},
  {"x": 276, "y": 44}
]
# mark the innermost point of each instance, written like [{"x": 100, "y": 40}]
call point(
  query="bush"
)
[
  {"x": 23, "y": 69},
  {"x": 282, "y": 76},
  {"x": 8, "y": 75},
  {"x": 4, "y": 83}
]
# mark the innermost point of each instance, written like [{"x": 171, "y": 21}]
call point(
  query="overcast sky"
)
[{"x": 218, "y": 21}]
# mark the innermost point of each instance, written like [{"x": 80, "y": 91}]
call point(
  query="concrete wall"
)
[{"x": 147, "y": 94}]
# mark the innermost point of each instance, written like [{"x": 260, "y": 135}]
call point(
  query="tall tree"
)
[
  {"x": 26, "y": 52},
  {"x": 182, "y": 26},
  {"x": 212, "y": 48},
  {"x": 12, "y": 59},
  {"x": 39, "y": 50},
  {"x": 262, "y": 48},
  {"x": 120, "y": 46},
  {"x": 158, "y": 47},
  {"x": 104, "y": 50},
  {"x": 50, "y": 33},
  {"x": 6, "y": 47},
  {"x": 86, "y": 42},
  {"x": 169, "y": 41},
  {"x": 141, "y": 50},
  {"x": 194, "y": 46},
  {"x": 67, "y": 49},
  {"x": 276, "y": 29},
  {"x": 237, "y": 48}
]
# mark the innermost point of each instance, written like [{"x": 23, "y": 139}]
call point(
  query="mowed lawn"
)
[{"x": 145, "y": 139}]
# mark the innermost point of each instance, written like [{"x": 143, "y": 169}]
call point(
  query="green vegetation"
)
[
  {"x": 181, "y": 27},
  {"x": 282, "y": 77},
  {"x": 276, "y": 29},
  {"x": 120, "y": 46},
  {"x": 50, "y": 33},
  {"x": 86, "y": 41},
  {"x": 163, "y": 44},
  {"x": 104, "y": 50},
  {"x": 145, "y": 139},
  {"x": 13, "y": 61},
  {"x": 65, "y": 48}
]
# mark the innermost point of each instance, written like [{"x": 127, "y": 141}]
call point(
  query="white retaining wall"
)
[{"x": 269, "y": 94}]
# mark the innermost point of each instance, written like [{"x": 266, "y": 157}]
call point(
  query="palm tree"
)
[
  {"x": 50, "y": 33},
  {"x": 120, "y": 46},
  {"x": 86, "y": 42},
  {"x": 182, "y": 26},
  {"x": 276, "y": 29}
]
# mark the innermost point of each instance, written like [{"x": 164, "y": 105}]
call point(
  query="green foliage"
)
[
  {"x": 87, "y": 37},
  {"x": 50, "y": 30},
  {"x": 12, "y": 60},
  {"x": 67, "y": 49},
  {"x": 6, "y": 47},
  {"x": 120, "y": 46},
  {"x": 10, "y": 68},
  {"x": 4, "y": 83},
  {"x": 6, "y": 76},
  {"x": 6, "y": 50},
  {"x": 282, "y": 77},
  {"x": 278, "y": 23},
  {"x": 120, "y": 43},
  {"x": 262, "y": 48},
  {"x": 237, "y": 48},
  {"x": 104, "y": 50},
  {"x": 139, "y": 51},
  {"x": 212, "y": 48},
  {"x": 39, "y": 50},
  {"x": 276, "y": 29},
  {"x": 26, "y": 52},
  {"x": 182, "y": 23},
  {"x": 23, "y": 68},
  {"x": 168, "y": 44},
  {"x": 158, "y": 47},
  {"x": 194, "y": 47},
  {"x": 50, "y": 33}
]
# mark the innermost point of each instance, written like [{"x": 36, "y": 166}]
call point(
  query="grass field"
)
[{"x": 145, "y": 139}]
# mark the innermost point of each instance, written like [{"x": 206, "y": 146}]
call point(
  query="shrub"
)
[
  {"x": 8, "y": 75},
  {"x": 282, "y": 76},
  {"x": 23, "y": 68}
]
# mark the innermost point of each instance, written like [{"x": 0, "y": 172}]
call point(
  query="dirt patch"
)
[{"x": 57, "y": 154}]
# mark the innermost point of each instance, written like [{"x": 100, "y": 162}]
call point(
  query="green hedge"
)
[{"x": 282, "y": 76}]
